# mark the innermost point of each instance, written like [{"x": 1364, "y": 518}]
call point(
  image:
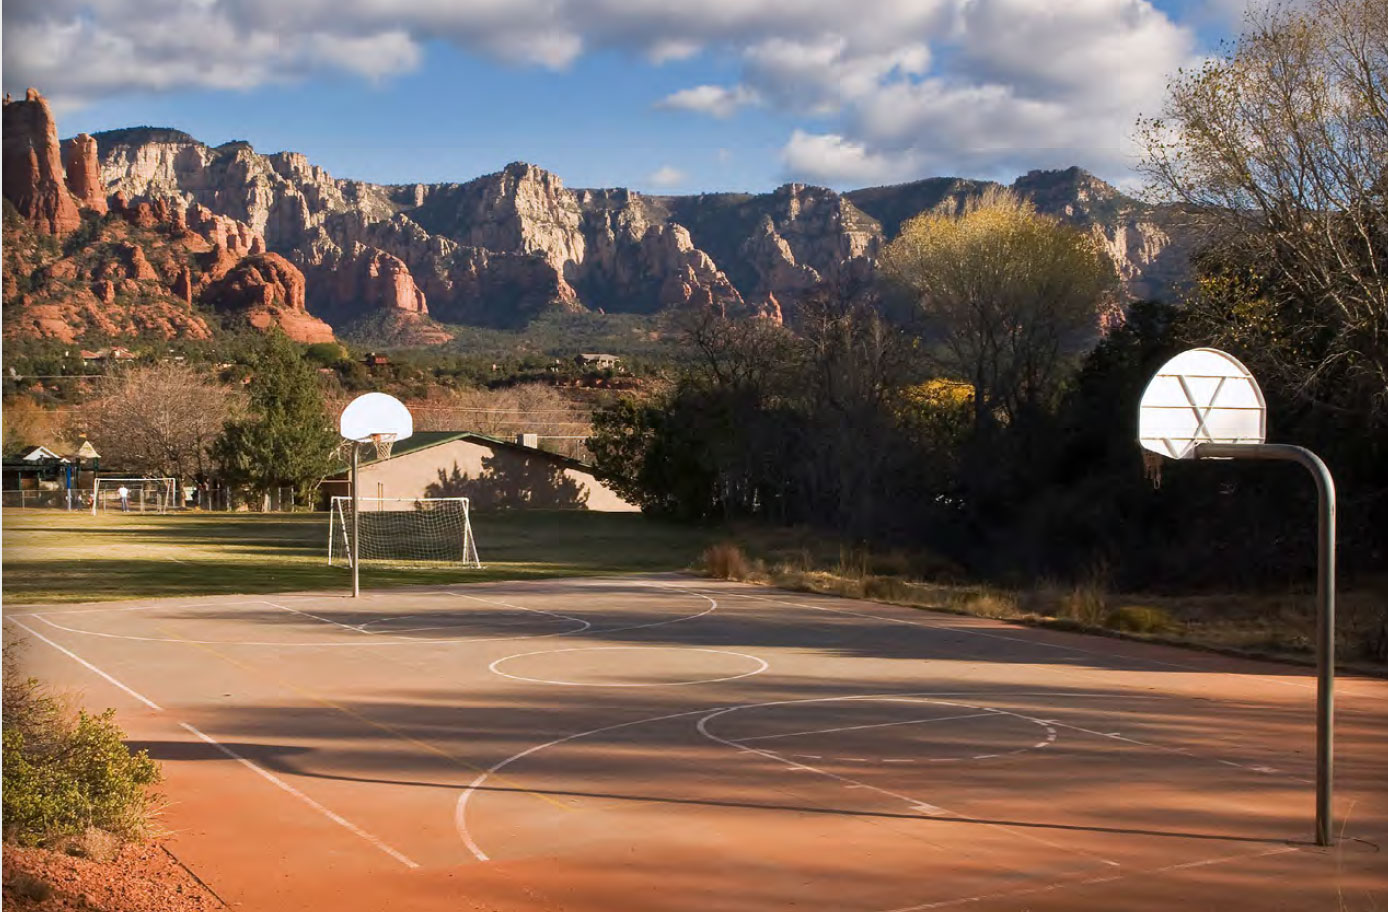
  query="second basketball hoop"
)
[{"x": 381, "y": 420}]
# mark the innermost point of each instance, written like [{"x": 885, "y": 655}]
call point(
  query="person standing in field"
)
[{"x": 124, "y": 493}]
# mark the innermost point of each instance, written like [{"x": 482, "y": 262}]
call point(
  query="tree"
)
[
  {"x": 287, "y": 440},
  {"x": 1279, "y": 148},
  {"x": 1009, "y": 298},
  {"x": 161, "y": 419}
]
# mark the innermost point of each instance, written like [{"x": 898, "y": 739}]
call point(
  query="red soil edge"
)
[{"x": 142, "y": 878}]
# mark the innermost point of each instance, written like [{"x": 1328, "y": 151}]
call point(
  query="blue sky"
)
[{"x": 721, "y": 95}]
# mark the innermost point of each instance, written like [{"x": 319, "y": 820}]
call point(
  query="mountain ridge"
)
[{"x": 502, "y": 248}]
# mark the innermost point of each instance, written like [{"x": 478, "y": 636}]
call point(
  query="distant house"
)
[
  {"x": 103, "y": 355},
  {"x": 494, "y": 474},
  {"x": 597, "y": 361},
  {"x": 373, "y": 359},
  {"x": 33, "y": 468}
]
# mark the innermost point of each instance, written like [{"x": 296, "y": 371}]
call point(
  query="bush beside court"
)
[{"x": 70, "y": 781}]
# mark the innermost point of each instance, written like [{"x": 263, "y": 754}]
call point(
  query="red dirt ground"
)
[
  {"x": 665, "y": 744},
  {"x": 141, "y": 878}
]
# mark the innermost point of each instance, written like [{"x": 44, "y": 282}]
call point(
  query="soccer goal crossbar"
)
[
  {"x": 402, "y": 531},
  {"x": 143, "y": 494}
]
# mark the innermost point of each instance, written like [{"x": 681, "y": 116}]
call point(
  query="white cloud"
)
[
  {"x": 666, "y": 176},
  {"x": 669, "y": 49},
  {"x": 831, "y": 158},
  {"x": 715, "y": 101},
  {"x": 879, "y": 87}
]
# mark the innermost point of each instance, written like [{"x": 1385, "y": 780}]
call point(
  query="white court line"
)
[
  {"x": 40, "y": 614},
  {"x": 460, "y": 810},
  {"x": 228, "y": 751},
  {"x": 712, "y": 606},
  {"x": 746, "y": 674},
  {"x": 1182, "y": 751},
  {"x": 88, "y": 665},
  {"x": 821, "y": 731},
  {"x": 316, "y": 617},
  {"x": 382, "y": 640},
  {"x": 1091, "y": 881},
  {"x": 928, "y": 809},
  {"x": 335, "y": 818}
]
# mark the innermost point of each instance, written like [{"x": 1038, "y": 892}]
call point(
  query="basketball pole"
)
[
  {"x": 356, "y": 540},
  {"x": 1325, "y": 607}
]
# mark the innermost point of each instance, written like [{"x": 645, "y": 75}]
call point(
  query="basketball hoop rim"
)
[{"x": 383, "y": 441}]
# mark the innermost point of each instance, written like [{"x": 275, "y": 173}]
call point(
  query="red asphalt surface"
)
[{"x": 665, "y": 743}]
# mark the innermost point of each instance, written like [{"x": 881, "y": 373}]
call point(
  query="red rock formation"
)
[
  {"x": 268, "y": 289},
  {"x": 34, "y": 179},
  {"x": 137, "y": 265},
  {"x": 84, "y": 173},
  {"x": 379, "y": 281},
  {"x": 237, "y": 237},
  {"x": 183, "y": 286}
]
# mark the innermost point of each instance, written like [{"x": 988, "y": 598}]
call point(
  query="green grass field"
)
[{"x": 52, "y": 556}]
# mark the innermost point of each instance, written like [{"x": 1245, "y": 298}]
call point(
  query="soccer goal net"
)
[
  {"x": 141, "y": 495},
  {"x": 403, "y": 531}
]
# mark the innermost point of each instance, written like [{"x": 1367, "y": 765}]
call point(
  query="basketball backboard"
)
[
  {"x": 1201, "y": 396},
  {"x": 372, "y": 415}
]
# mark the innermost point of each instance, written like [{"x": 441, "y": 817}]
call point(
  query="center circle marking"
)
[{"x": 761, "y": 665}]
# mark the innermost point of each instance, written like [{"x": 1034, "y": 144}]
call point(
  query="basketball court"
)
[{"x": 670, "y": 743}]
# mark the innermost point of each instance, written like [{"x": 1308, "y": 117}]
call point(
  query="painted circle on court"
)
[
  {"x": 641, "y": 666},
  {"x": 905, "y": 730}
]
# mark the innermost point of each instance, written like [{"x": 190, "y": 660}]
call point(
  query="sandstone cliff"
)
[
  {"x": 505, "y": 247},
  {"x": 35, "y": 182},
  {"x": 266, "y": 289},
  {"x": 158, "y": 266},
  {"x": 145, "y": 270},
  {"x": 84, "y": 173}
]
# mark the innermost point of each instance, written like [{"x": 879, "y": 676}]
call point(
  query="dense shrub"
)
[{"x": 65, "y": 775}]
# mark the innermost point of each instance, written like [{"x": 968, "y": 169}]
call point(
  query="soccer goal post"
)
[
  {"x": 402, "y": 531},
  {"x": 145, "y": 494}
]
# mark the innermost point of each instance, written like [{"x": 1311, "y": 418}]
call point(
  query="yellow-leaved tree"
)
[{"x": 1009, "y": 298}]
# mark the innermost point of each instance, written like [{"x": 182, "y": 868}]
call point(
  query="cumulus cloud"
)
[
  {"x": 716, "y": 101},
  {"x": 880, "y": 87},
  {"x": 666, "y": 176},
  {"x": 831, "y": 158}
]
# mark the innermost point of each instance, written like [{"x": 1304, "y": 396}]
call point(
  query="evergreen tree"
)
[{"x": 286, "y": 439}]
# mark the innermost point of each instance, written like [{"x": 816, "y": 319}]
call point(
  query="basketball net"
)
[
  {"x": 1151, "y": 468},
  {"x": 383, "y": 443}
]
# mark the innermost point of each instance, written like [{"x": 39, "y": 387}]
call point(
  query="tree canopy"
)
[
  {"x": 287, "y": 439},
  {"x": 1009, "y": 298},
  {"x": 1279, "y": 149},
  {"x": 160, "y": 419}
]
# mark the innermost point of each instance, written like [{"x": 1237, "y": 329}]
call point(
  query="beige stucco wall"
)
[{"x": 492, "y": 477}]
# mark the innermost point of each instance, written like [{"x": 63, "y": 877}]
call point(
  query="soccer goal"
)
[
  {"x": 146, "y": 494},
  {"x": 403, "y": 531}
]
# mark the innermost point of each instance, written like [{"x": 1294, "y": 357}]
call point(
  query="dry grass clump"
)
[
  {"x": 887, "y": 589},
  {"x": 1139, "y": 619},
  {"x": 93, "y": 843},
  {"x": 1086, "y": 603},
  {"x": 988, "y": 603},
  {"x": 726, "y": 560}
]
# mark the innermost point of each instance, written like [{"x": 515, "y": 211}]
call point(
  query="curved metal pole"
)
[{"x": 1325, "y": 607}]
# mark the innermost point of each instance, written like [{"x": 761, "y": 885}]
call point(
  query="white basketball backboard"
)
[
  {"x": 1201, "y": 396},
  {"x": 374, "y": 414}
]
